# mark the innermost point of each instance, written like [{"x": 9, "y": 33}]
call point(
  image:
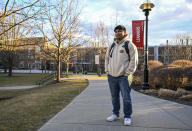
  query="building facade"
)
[{"x": 83, "y": 58}]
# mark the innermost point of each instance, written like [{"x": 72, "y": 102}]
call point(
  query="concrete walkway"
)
[
  {"x": 17, "y": 87},
  {"x": 88, "y": 111}
]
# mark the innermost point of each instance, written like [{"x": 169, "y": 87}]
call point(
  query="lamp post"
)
[{"x": 146, "y": 7}]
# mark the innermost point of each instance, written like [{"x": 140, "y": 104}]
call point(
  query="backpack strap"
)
[
  {"x": 127, "y": 48},
  {"x": 111, "y": 49}
]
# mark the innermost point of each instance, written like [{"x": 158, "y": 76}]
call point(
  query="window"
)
[{"x": 21, "y": 65}]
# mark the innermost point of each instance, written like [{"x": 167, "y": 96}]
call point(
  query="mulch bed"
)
[{"x": 155, "y": 94}]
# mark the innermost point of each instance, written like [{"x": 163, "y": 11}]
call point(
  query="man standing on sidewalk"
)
[{"x": 120, "y": 62}]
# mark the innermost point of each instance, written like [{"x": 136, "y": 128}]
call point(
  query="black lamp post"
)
[{"x": 146, "y": 7}]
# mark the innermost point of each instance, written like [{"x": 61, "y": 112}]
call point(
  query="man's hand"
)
[{"x": 126, "y": 74}]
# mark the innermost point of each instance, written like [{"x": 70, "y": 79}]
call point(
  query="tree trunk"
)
[
  {"x": 5, "y": 69},
  {"x": 58, "y": 65},
  {"x": 98, "y": 70},
  {"x": 45, "y": 67},
  {"x": 58, "y": 70},
  {"x": 67, "y": 69},
  {"x": 10, "y": 66}
]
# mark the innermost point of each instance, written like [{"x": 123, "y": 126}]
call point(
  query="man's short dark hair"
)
[{"x": 120, "y": 27}]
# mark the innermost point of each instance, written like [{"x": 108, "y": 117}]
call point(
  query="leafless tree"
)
[
  {"x": 180, "y": 47},
  {"x": 100, "y": 40},
  {"x": 11, "y": 40},
  {"x": 27, "y": 10},
  {"x": 101, "y": 35},
  {"x": 61, "y": 21}
]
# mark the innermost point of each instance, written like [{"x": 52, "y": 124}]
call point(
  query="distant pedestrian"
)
[{"x": 120, "y": 62}]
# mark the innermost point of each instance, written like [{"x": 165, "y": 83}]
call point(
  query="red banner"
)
[{"x": 138, "y": 34}]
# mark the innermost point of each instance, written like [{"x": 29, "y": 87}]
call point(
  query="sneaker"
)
[
  {"x": 113, "y": 117},
  {"x": 127, "y": 121}
]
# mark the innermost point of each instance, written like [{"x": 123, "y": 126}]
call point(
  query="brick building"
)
[
  {"x": 27, "y": 51},
  {"x": 30, "y": 57}
]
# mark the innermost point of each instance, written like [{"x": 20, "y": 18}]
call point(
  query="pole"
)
[
  {"x": 146, "y": 7},
  {"x": 146, "y": 71}
]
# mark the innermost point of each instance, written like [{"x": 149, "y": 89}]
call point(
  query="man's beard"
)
[{"x": 120, "y": 38}]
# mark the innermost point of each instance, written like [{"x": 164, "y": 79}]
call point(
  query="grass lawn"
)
[
  {"x": 29, "y": 109},
  {"x": 20, "y": 79}
]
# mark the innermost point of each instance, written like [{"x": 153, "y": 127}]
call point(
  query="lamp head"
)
[{"x": 147, "y": 5}]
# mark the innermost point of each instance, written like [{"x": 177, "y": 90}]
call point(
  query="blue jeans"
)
[{"x": 117, "y": 84}]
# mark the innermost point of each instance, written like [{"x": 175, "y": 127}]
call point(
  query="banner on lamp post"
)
[
  {"x": 96, "y": 59},
  {"x": 138, "y": 34}
]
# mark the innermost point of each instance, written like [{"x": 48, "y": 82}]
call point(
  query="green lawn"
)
[
  {"x": 29, "y": 109},
  {"x": 20, "y": 79}
]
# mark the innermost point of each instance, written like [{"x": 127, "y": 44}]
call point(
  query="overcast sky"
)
[{"x": 167, "y": 18}]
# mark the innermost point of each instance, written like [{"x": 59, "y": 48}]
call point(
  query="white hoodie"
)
[{"x": 119, "y": 64}]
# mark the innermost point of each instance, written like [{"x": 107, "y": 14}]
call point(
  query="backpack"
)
[{"x": 125, "y": 46}]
